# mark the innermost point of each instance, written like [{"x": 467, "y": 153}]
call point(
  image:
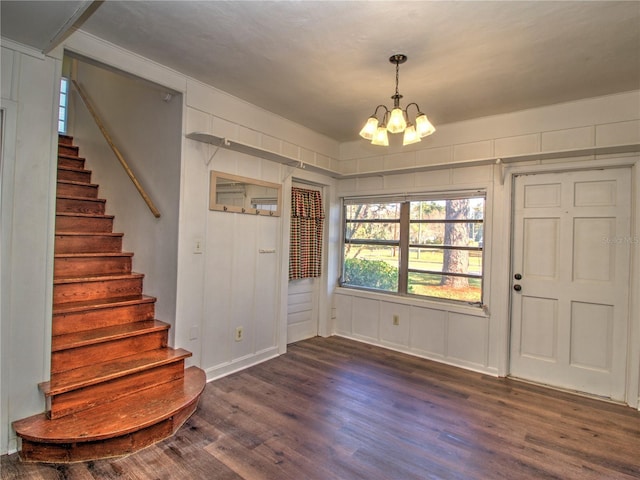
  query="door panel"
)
[
  {"x": 302, "y": 319},
  {"x": 569, "y": 318}
]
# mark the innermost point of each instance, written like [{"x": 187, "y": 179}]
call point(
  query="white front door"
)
[{"x": 570, "y": 274}]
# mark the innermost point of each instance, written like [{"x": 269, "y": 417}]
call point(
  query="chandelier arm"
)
[
  {"x": 386, "y": 112},
  {"x": 406, "y": 110}
]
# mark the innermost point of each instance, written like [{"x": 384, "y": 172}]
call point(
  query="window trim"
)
[{"x": 403, "y": 269}]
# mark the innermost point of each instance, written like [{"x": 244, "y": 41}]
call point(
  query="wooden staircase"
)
[{"x": 115, "y": 386}]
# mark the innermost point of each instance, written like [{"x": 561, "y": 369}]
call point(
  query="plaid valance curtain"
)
[{"x": 307, "y": 217}]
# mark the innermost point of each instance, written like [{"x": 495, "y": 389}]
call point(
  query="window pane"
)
[
  {"x": 373, "y": 211},
  {"x": 426, "y": 233},
  {"x": 447, "y": 287},
  {"x": 371, "y": 266},
  {"x": 456, "y": 234},
  {"x": 427, "y": 210},
  {"x": 459, "y": 209},
  {"x": 372, "y": 231},
  {"x": 426, "y": 259},
  {"x": 433, "y": 259}
]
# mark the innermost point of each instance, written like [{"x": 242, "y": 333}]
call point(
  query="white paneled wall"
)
[
  {"x": 28, "y": 173},
  {"x": 232, "y": 280}
]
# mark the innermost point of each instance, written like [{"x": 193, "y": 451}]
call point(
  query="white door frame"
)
[
  {"x": 502, "y": 284},
  {"x": 327, "y": 282}
]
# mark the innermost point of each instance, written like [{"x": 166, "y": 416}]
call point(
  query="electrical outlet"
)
[
  {"x": 239, "y": 334},
  {"x": 396, "y": 319}
]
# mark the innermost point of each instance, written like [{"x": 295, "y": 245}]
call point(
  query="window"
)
[
  {"x": 62, "y": 108},
  {"x": 423, "y": 245}
]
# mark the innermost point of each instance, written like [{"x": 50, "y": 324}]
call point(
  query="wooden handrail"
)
[{"x": 121, "y": 159}]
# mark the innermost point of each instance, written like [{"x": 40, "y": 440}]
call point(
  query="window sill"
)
[{"x": 461, "y": 308}]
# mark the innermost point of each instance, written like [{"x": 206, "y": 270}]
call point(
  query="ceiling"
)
[{"x": 324, "y": 64}]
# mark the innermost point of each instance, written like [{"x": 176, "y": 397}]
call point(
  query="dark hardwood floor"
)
[{"x": 341, "y": 410}]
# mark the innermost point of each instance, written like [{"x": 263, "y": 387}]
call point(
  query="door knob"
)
[
  {"x": 517, "y": 287},
  {"x": 517, "y": 276}
]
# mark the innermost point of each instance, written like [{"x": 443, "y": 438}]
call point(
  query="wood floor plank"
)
[{"x": 335, "y": 409}]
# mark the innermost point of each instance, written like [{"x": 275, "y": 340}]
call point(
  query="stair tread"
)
[
  {"x": 97, "y": 278},
  {"x": 87, "y": 199},
  {"x": 68, "y": 155},
  {"x": 102, "y": 372},
  {"x": 73, "y": 169},
  {"x": 105, "y": 334},
  {"x": 120, "y": 417},
  {"x": 90, "y": 234},
  {"x": 75, "y": 182},
  {"x": 84, "y": 215},
  {"x": 93, "y": 254},
  {"x": 103, "y": 303}
]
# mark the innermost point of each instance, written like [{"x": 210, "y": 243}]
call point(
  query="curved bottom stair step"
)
[{"x": 114, "y": 429}]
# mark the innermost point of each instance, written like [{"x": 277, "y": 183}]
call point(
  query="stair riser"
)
[
  {"x": 72, "y": 205},
  {"x": 78, "y": 400},
  {"x": 84, "y": 224},
  {"x": 88, "y": 355},
  {"x": 103, "y": 317},
  {"x": 87, "y": 244},
  {"x": 112, "y": 447},
  {"x": 65, "y": 139},
  {"x": 68, "y": 149},
  {"x": 84, "y": 267},
  {"x": 82, "y": 292},
  {"x": 74, "y": 190},
  {"x": 74, "y": 175},
  {"x": 71, "y": 162}
]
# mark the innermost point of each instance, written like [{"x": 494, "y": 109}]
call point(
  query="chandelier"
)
[{"x": 396, "y": 120}]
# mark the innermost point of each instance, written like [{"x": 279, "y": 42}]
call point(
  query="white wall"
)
[
  {"x": 29, "y": 95},
  {"x": 147, "y": 130},
  {"x": 231, "y": 284}
]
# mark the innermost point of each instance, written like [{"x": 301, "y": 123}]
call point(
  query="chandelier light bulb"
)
[
  {"x": 410, "y": 135},
  {"x": 381, "y": 137},
  {"x": 424, "y": 126},
  {"x": 369, "y": 128},
  {"x": 397, "y": 123}
]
